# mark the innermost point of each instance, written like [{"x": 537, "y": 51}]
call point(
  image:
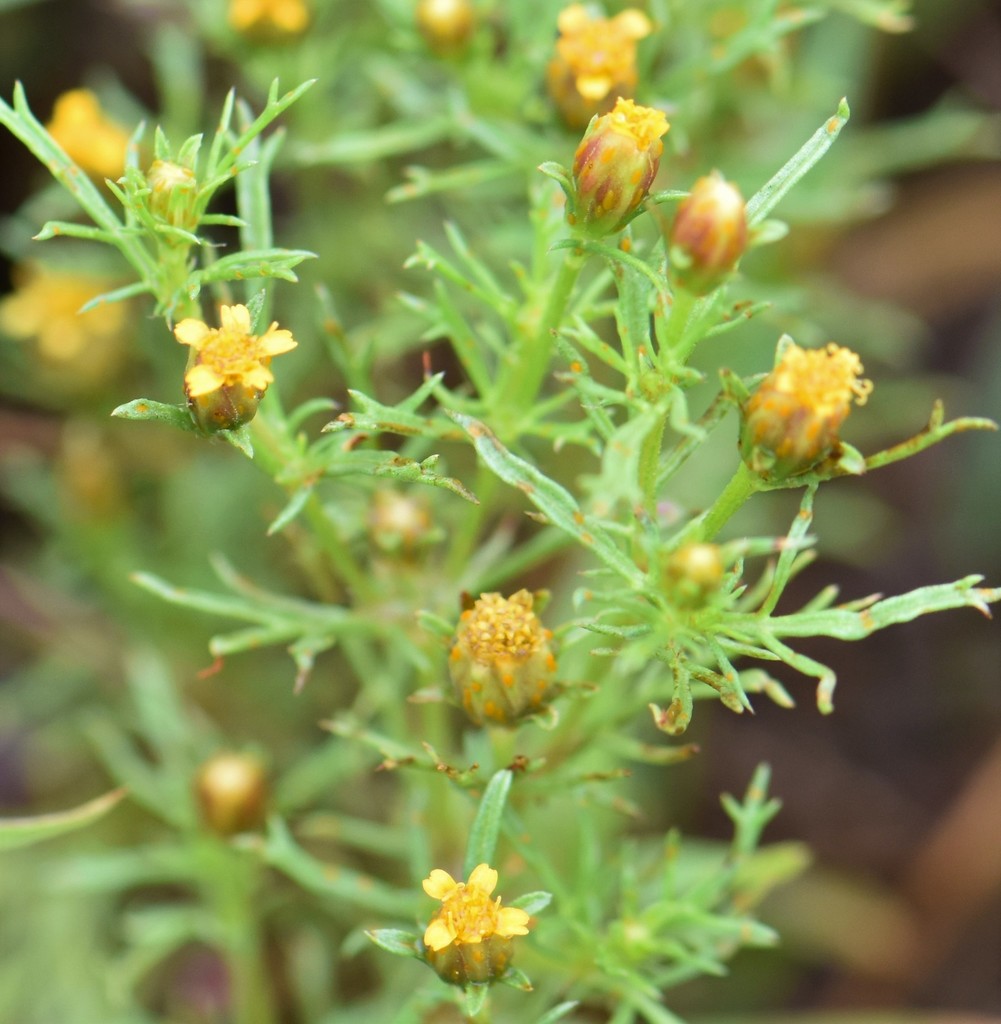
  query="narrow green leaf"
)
[
  {"x": 476, "y": 998},
  {"x": 558, "y": 1012},
  {"x": 486, "y": 825},
  {"x": 395, "y": 940},
  {"x": 16, "y": 832},
  {"x": 769, "y": 195},
  {"x": 533, "y": 902},
  {"x": 147, "y": 409}
]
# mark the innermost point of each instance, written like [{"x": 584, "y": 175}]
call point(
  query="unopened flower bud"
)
[
  {"x": 399, "y": 524},
  {"x": 595, "y": 61},
  {"x": 172, "y": 193},
  {"x": 790, "y": 424},
  {"x": 614, "y": 167},
  {"x": 232, "y": 791},
  {"x": 708, "y": 236},
  {"x": 501, "y": 664},
  {"x": 693, "y": 573},
  {"x": 446, "y": 25}
]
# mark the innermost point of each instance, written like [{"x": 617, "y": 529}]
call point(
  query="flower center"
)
[
  {"x": 643, "y": 124},
  {"x": 471, "y": 913},
  {"x": 232, "y": 354},
  {"x": 824, "y": 379},
  {"x": 499, "y": 627}
]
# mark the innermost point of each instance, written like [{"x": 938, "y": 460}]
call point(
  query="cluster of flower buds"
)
[
  {"x": 501, "y": 663},
  {"x": 790, "y": 424}
]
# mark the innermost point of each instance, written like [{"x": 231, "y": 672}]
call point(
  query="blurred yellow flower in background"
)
[
  {"x": 284, "y": 17},
  {"x": 87, "y": 135},
  {"x": 595, "y": 61}
]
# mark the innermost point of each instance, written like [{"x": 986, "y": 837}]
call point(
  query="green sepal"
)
[
  {"x": 476, "y": 998},
  {"x": 159, "y": 412},
  {"x": 514, "y": 978}
]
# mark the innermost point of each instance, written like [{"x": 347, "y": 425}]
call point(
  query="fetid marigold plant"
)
[{"x": 449, "y": 584}]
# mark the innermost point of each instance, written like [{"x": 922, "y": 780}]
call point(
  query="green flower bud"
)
[
  {"x": 501, "y": 664},
  {"x": 693, "y": 573},
  {"x": 614, "y": 167},
  {"x": 172, "y": 194},
  {"x": 708, "y": 236},
  {"x": 790, "y": 424}
]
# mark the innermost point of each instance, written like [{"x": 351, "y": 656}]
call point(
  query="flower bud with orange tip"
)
[
  {"x": 708, "y": 235},
  {"x": 595, "y": 61},
  {"x": 614, "y": 167},
  {"x": 469, "y": 940},
  {"x": 446, "y": 25},
  {"x": 227, "y": 372},
  {"x": 501, "y": 663},
  {"x": 232, "y": 793},
  {"x": 791, "y": 423}
]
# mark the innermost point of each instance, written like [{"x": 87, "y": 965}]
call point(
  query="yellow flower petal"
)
[
  {"x": 594, "y": 87},
  {"x": 191, "y": 332},
  {"x": 257, "y": 377},
  {"x": 633, "y": 24},
  {"x": 572, "y": 19},
  {"x": 483, "y": 878},
  {"x": 201, "y": 380},
  {"x": 438, "y": 934},
  {"x": 235, "y": 319},
  {"x": 512, "y": 921},
  {"x": 439, "y": 884},
  {"x": 274, "y": 342}
]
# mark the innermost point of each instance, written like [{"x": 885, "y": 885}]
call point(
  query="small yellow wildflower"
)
[
  {"x": 269, "y": 17},
  {"x": 228, "y": 371},
  {"x": 501, "y": 663},
  {"x": 469, "y": 939},
  {"x": 595, "y": 61},
  {"x": 614, "y": 167},
  {"x": 446, "y": 25},
  {"x": 46, "y": 306},
  {"x": 87, "y": 136},
  {"x": 791, "y": 423}
]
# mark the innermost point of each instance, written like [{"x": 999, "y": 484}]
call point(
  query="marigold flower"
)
[
  {"x": 614, "y": 167},
  {"x": 231, "y": 790},
  {"x": 88, "y": 137},
  {"x": 501, "y": 663},
  {"x": 469, "y": 939},
  {"x": 708, "y": 236},
  {"x": 268, "y": 17},
  {"x": 595, "y": 61},
  {"x": 446, "y": 25},
  {"x": 790, "y": 424},
  {"x": 46, "y": 306},
  {"x": 228, "y": 371}
]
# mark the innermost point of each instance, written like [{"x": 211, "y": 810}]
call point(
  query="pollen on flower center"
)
[
  {"x": 499, "y": 627},
  {"x": 826, "y": 380},
  {"x": 645, "y": 125}
]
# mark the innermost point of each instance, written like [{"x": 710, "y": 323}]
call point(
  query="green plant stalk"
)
[
  {"x": 525, "y": 375},
  {"x": 674, "y": 350},
  {"x": 649, "y": 462},
  {"x": 742, "y": 485}
]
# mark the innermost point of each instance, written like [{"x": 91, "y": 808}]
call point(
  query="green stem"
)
[
  {"x": 521, "y": 384},
  {"x": 742, "y": 485},
  {"x": 649, "y": 462},
  {"x": 675, "y": 348}
]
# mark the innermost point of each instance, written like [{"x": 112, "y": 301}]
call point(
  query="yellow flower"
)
[
  {"x": 595, "y": 61},
  {"x": 46, "y": 306},
  {"x": 267, "y": 17},
  {"x": 87, "y": 136},
  {"x": 501, "y": 663},
  {"x": 469, "y": 939},
  {"x": 446, "y": 25},
  {"x": 614, "y": 167},
  {"x": 228, "y": 371},
  {"x": 790, "y": 424}
]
